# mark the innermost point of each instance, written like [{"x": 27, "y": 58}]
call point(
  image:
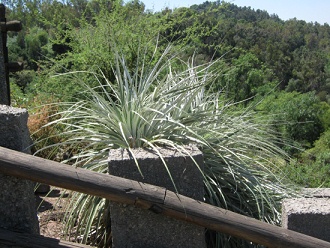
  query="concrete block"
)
[
  {"x": 134, "y": 227},
  {"x": 14, "y": 133},
  {"x": 17, "y": 200},
  {"x": 310, "y": 216}
]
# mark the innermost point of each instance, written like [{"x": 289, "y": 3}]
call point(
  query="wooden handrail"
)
[
  {"x": 156, "y": 199},
  {"x": 28, "y": 240}
]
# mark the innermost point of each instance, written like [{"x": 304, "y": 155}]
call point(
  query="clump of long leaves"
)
[{"x": 158, "y": 105}]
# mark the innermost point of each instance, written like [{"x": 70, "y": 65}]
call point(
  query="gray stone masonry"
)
[
  {"x": 134, "y": 227},
  {"x": 17, "y": 201},
  {"x": 309, "y": 215}
]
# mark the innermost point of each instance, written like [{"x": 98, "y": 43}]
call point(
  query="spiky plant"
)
[{"x": 159, "y": 105}]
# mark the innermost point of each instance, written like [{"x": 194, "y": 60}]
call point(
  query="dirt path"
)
[{"x": 51, "y": 208}]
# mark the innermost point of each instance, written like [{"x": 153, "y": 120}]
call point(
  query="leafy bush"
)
[
  {"x": 42, "y": 110},
  {"x": 312, "y": 167},
  {"x": 310, "y": 173},
  {"x": 89, "y": 47},
  {"x": 296, "y": 116},
  {"x": 321, "y": 145},
  {"x": 156, "y": 105}
]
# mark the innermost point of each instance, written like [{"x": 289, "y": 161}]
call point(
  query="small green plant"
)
[
  {"x": 312, "y": 168},
  {"x": 161, "y": 105},
  {"x": 310, "y": 172}
]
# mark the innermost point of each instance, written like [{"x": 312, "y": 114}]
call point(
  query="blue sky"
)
[{"x": 308, "y": 10}]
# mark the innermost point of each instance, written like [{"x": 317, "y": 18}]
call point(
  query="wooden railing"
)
[
  {"x": 156, "y": 199},
  {"x": 28, "y": 240}
]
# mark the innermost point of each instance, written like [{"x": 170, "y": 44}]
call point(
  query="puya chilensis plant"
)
[{"x": 166, "y": 102}]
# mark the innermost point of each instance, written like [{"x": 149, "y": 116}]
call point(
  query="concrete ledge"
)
[{"x": 310, "y": 215}]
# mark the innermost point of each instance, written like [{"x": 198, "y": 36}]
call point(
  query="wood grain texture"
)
[
  {"x": 16, "y": 239},
  {"x": 156, "y": 199}
]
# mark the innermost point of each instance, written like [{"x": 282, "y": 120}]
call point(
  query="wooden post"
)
[
  {"x": 4, "y": 89},
  {"x": 153, "y": 198},
  {"x": 5, "y": 66}
]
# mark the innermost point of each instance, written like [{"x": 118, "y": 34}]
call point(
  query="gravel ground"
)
[{"x": 51, "y": 208}]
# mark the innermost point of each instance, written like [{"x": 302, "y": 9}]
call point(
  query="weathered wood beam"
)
[
  {"x": 156, "y": 199},
  {"x": 24, "y": 240}
]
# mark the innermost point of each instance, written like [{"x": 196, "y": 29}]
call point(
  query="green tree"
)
[
  {"x": 243, "y": 77},
  {"x": 90, "y": 47},
  {"x": 37, "y": 47},
  {"x": 308, "y": 72}
]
